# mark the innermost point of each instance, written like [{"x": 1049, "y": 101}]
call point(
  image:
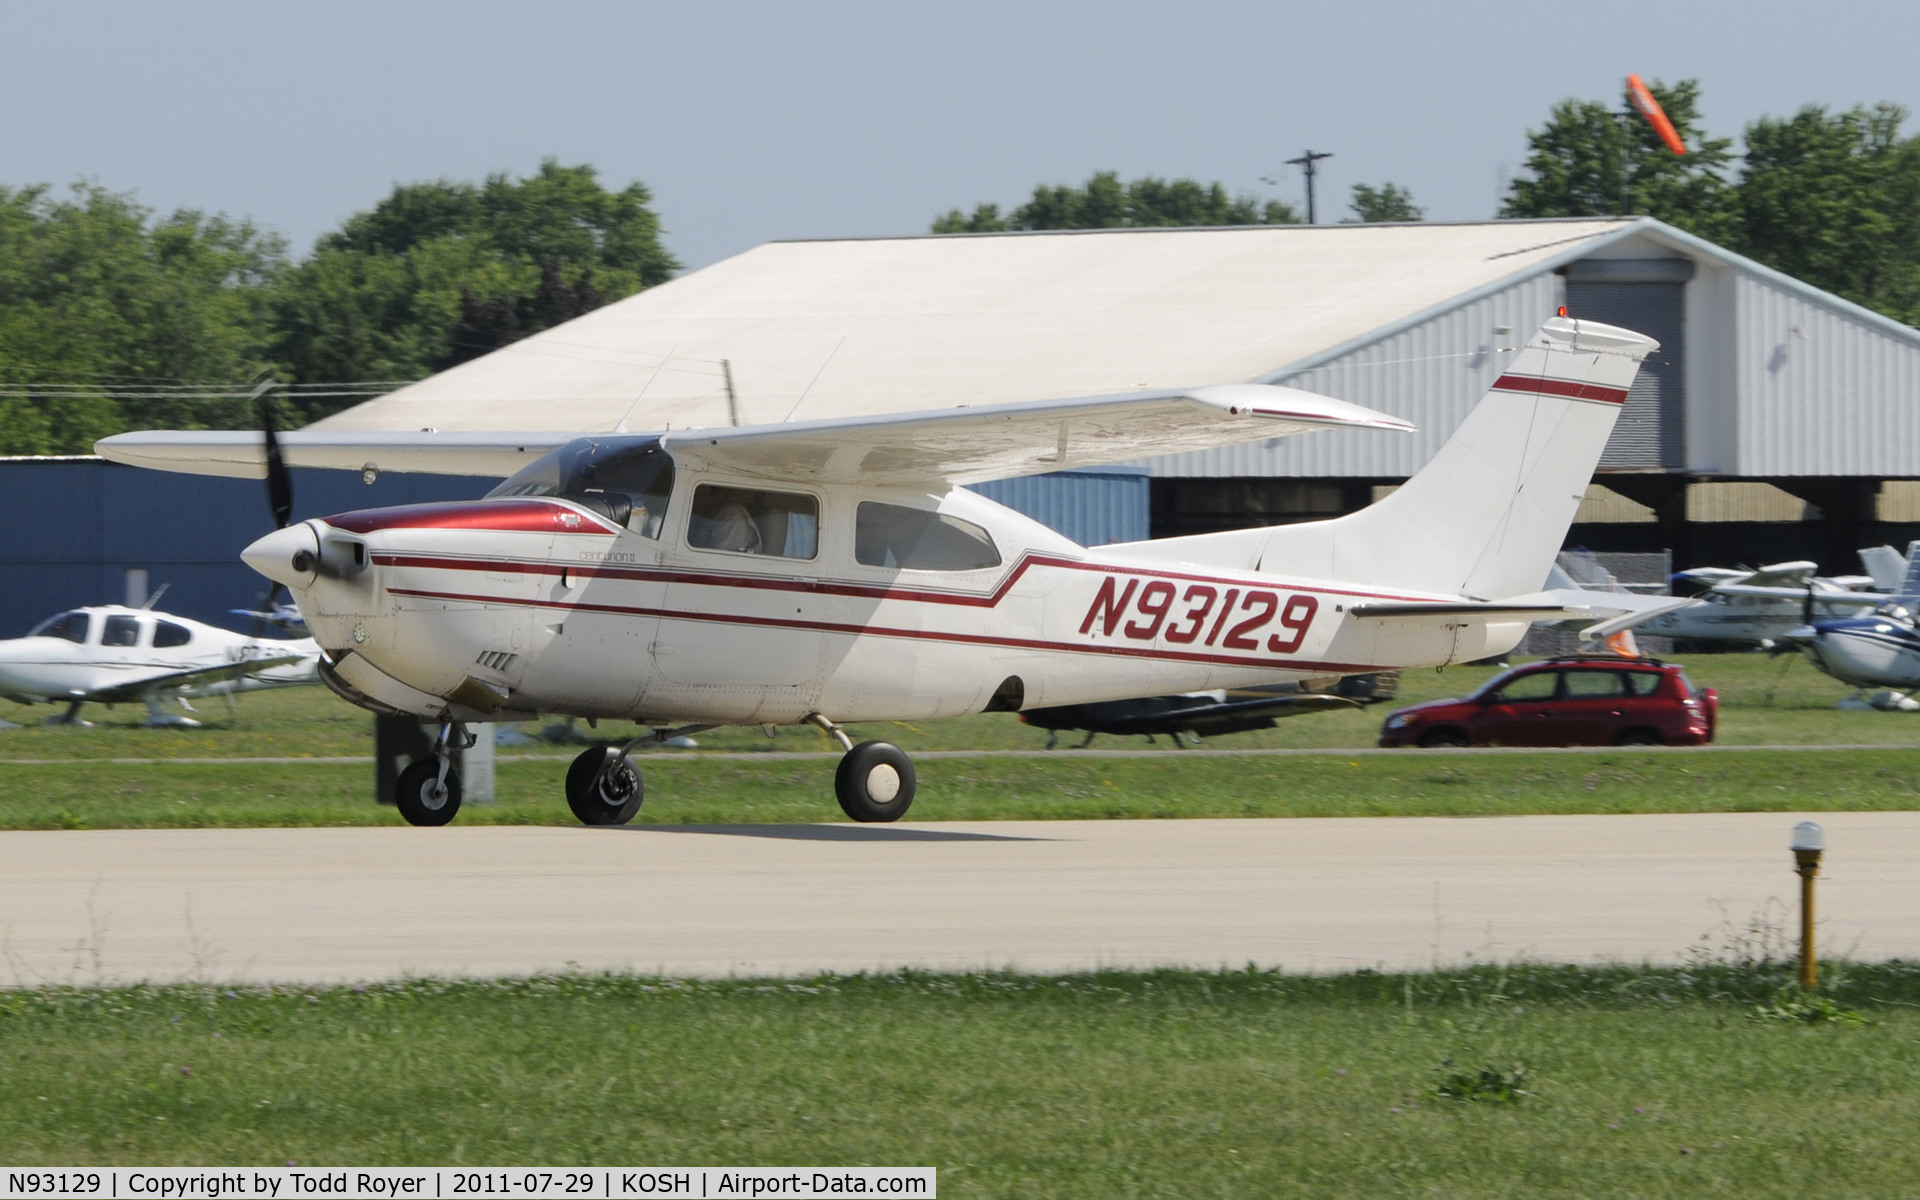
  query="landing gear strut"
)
[{"x": 428, "y": 791}]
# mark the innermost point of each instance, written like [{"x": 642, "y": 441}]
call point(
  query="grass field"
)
[
  {"x": 55, "y": 777},
  {"x": 686, "y": 789},
  {"x": 1638, "y": 1082},
  {"x": 1766, "y": 701}
]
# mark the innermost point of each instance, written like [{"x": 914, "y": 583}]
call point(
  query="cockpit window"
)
[
  {"x": 166, "y": 633},
  {"x": 121, "y": 630},
  {"x": 750, "y": 521},
  {"x": 1896, "y": 610},
  {"x": 893, "y": 535},
  {"x": 71, "y": 627},
  {"x": 626, "y": 479}
]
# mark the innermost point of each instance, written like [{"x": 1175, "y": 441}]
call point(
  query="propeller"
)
[
  {"x": 1806, "y": 606},
  {"x": 279, "y": 484}
]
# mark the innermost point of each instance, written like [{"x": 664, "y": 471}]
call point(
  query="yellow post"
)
[{"x": 1809, "y": 840}]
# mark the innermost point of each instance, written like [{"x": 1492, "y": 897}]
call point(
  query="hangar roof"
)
[{"x": 814, "y": 329}]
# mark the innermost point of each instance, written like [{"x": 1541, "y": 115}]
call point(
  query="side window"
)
[
  {"x": 166, "y": 633},
  {"x": 1642, "y": 683},
  {"x": 893, "y": 535},
  {"x": 121, "y": 630},
  {"x": 749, "y": 521},
  {"x": 68, "y": 627},
  {"x": 1540, "y": 685},
  {"x": 1594, "y": 684}
]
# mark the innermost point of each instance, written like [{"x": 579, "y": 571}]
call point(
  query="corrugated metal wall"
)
[
  {"x": 1431, "y": 374},
  {"x": 1821, "y": 392},
  {"x": 1093, "y": 507},
  {"x": 74, "y": 526}
]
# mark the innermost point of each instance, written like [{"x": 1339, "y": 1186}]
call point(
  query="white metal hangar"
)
[{"x": 1777, "y": 421}]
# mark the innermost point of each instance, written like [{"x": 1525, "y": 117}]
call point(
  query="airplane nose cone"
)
[{"x": 286, "y": 556}]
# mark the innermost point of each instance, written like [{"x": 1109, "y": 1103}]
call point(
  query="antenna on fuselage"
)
[
  {"x": 733, "y": 401},
  {"x": 622, "y": 426}
]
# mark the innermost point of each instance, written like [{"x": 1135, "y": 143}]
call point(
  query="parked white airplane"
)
[
  {"x": 1761, "y": 607},
  {"x": 833, "y": 571},
  {"x": 1879, "y": 649},
  {"x": 111, "y": 654}
]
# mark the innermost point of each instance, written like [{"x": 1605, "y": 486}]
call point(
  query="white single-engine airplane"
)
[
  {"x": 111, "y": 654},
  {"x": 834, "y": 571},
  {"x": 1761, "y": 607}
]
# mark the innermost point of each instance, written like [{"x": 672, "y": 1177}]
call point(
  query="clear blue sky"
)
[{"x": 759, "y": 121}]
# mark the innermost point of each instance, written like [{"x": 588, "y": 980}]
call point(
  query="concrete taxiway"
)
[{"x": 328, "y": 905}]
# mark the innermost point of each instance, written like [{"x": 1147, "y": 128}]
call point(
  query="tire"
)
[
  {"x": 414, "y": 794},
  {"x": 1448, "y": 739},
  {"x": 875, "y": 782},
  {"x": 1638, "y": 737},
  {"x": 611, "y": 799}
]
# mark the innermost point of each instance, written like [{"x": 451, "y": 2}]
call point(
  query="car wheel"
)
[
  {"x": 1638, "y": 737},
  {"x": 1447, "y": 739}
]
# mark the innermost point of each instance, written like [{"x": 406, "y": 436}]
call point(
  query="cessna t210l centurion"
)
[{"x": 835, "y": 571}]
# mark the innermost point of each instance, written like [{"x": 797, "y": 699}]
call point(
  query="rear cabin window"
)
[
  {"x": 1594, "y": 684},
  {"x": 121, "y": 631},
  {"x": 68, "y": 627},
  {"x": 913, "y": 539},
  {"x": 749, "y": 521},
  {"x": 1642, "y": 683},
  {"x": 166, "y": 633}
]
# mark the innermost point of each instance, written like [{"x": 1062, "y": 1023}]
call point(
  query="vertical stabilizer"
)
[{"x": 1485, "y": 517}]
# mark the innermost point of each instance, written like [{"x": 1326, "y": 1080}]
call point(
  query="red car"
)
[{"x": 1567, "y": 702}]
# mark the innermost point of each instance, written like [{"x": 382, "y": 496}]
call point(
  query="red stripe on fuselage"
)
[
  {"x": 821, "y": 587},
  {"x": 491, "y": 516},
  {"x": 917, "y": 635},
  {"x": 1568, "y": 388}
]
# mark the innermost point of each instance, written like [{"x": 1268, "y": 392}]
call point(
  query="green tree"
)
[
  {"x": 1590, "y": 160},
  {"x": 1106, "y": 203},
  {"x": 1834, "y": 199},
  {"x": 439, "y": 273},
  {"x": 1388, "y": 202},
  {"x": 109, "y": 319}
]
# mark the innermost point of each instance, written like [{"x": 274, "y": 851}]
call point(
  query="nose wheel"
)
[
  {"x": 604, "y": 787},
  {"x": 425, "y": 796},
  {"x": 875, "y": 782}
]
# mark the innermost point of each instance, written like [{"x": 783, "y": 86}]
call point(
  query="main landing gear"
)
[{"x": 874, "y": 783}]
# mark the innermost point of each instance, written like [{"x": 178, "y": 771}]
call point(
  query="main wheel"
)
[
  {"x": 875, "y": 782},
  {"x": 420, "y": 796},
  {"x": 611, "y": 799}
]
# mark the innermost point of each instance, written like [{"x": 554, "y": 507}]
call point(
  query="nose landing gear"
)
[{"x": 428, "y": 791}]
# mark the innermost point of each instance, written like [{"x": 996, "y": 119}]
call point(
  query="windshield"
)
[
  {"x": 70, "y": 626},
  {"x": 627, "y": 479},
  {"x": 1896, "y": 610}
]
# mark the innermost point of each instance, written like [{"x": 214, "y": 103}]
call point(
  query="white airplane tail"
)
[{"x": 1486, "y": 516}]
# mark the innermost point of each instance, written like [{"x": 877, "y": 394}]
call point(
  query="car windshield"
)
[{"x": 627, "y": 479}]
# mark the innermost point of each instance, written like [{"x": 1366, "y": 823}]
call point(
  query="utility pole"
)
[{"x": 1306, "y": 164}]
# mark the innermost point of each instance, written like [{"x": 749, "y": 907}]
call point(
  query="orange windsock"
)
[{"x": 1655, "y": 115}]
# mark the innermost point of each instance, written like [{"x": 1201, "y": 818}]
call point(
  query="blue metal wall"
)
[
  {"x": 1091, "y": 506},
  {"x": 69, "y": 528}
]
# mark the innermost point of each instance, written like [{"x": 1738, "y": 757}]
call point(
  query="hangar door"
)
[{"x": 1647, "y": 295}]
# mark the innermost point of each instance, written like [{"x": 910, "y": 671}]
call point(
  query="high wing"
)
[
  {"x": 1786, "y": 574},
  {"x": 967, "y": 445},
  {"x": 1822, "y": 597},
  {"x": 242, "y": 454},
  {"x": 959, "y": 445},
  {"x": 160, "y": 681}
]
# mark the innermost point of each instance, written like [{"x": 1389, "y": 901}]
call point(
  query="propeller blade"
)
[{"x": 279, "y": 485}]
